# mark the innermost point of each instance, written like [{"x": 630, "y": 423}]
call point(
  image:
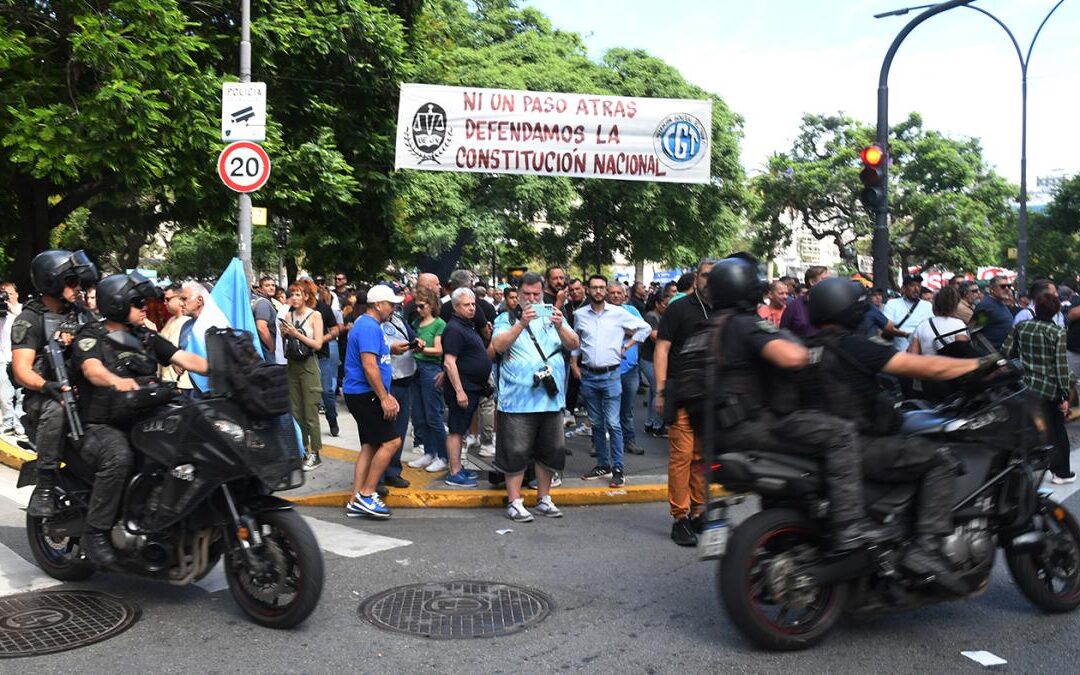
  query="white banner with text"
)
[{"x": 548, "y": 134}]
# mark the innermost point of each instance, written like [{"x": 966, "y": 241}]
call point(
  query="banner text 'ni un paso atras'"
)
[{"x": 549, "y": 134}]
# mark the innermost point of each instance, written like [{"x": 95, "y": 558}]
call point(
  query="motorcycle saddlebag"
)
[
  {"x": 770, "y": 473},
  {"x": 237, "y": 371}
]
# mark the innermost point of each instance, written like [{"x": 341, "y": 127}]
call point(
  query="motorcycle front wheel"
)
[
  {"x": 278, "y": 583},
  {"x": 1050, "y": 577},
  {"x": 759, "y": 590},
  {"x": 58, "y": 557}
]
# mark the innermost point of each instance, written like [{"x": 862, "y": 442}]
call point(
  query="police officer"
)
[
  {"x": 110, "y": 357},
  {"x": 58, "y": 276},
  {"x": 848, "y": 388},
  {"x": 758, "y": 407}
]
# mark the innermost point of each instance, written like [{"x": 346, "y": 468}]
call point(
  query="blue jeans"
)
[
  {"x": 401, "y": 390},
  {"x": 630, "y": 380},
  {"x": 428, "y": 409},
  {"x": 602, "y": 393},
  {"x": 328, "y": 371},
  {"x": 652, "y": 418}
]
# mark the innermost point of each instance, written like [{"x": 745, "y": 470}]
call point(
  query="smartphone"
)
[{"x": 543, "y": 310}]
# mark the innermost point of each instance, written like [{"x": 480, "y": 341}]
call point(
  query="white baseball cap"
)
[{"x": 383, "y": 293}]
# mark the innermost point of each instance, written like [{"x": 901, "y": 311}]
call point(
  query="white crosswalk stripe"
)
[{"x": 19, "y": 576}]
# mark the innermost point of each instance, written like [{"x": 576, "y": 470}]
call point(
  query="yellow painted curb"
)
[
  {"x": 14, "y": 456},
  {"x": 469, "y": 498}
]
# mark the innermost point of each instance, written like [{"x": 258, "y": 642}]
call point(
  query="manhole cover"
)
[
  {"x": 54, "y": 621},
  {"x": 459, "y": 609}
]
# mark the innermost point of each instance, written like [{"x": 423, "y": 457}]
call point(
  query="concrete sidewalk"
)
[{"x": 331, "y": 483}]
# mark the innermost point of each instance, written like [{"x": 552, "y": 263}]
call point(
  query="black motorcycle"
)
[
  {"x": 202, "y": 490},
  {"x": 784, "y": 590}
]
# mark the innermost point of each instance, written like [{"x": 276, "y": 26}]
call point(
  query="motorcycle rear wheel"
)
[
  {"x": 57, "y": 557},
  {"x": 766, "y": 539},
  {"x": 1050, "y": 577},
  {"x": 287, "y": 590}
]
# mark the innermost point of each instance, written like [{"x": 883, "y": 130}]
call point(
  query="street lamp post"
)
[
  {"x": 1025, "y": 61},
  {"x": 880, "y": 245},
  {"x": 244, "y": 202}
]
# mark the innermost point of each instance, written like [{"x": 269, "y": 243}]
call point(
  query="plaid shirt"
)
[{"x": 1041, "y": 345}]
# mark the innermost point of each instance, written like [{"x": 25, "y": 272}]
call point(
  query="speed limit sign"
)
[{"x": 244, "y": 166}]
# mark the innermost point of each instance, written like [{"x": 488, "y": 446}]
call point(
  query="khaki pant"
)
[
  {"x": 686, "y": 483},
  {"x": 305, "y": 392}
]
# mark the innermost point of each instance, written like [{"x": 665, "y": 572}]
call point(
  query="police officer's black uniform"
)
[
  {"x": 133, "y": 352},
  {"x": 848, "y": 389},
  {"x": 50, "y": 272},
  {"x": 756, "y": 403}
]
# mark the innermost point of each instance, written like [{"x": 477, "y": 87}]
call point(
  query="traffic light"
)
[{"x": 873, "y": 178}]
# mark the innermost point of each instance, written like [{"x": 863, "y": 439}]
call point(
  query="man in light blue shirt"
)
[
  {"x": 628, "y": 373},
  {"x": 604, "y": 331},
  {"x": 532, "y": 394}
]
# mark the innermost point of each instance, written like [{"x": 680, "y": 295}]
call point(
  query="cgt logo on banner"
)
[{"x": 551, "y": 134}]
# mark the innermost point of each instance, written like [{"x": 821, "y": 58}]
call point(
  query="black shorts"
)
[
  {"x": 458, "y": 419},
  {"x": 524, "y": 438},
  {"x": 373, "y": 428}
]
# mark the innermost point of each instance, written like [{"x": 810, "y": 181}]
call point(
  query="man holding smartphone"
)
[{"x": 532, "y": 395}]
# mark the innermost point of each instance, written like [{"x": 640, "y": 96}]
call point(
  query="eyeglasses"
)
[
  {"x": 421, "y": 305},
  {"x": 597, "y": 288},
  {"x": 1006, "y": 286},
  {"x": 138, "y": 303},
  {"x": 339, "y": 278}
]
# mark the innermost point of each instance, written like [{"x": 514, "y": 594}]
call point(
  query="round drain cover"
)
[
  {"x": 458, "y": 609},
  {"x": 44, "y": 622}
]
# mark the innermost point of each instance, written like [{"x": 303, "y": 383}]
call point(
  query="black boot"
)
[
  {"x": 43, "y": 500},
  {"x": 334, "y": 428},
  {"x": 682, "y": 533},
  {"x": 925, "y": 560},
  {"x": 98, "y": 548},
  {"x": 853, "y": 536}
]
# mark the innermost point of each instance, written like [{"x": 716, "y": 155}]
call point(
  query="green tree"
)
[
  {"x": 1054, "y": 235},
  {"x": 948, "y": 207}
]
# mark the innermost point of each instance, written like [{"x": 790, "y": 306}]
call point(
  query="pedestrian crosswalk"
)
[{"x": 19, "y": 574}]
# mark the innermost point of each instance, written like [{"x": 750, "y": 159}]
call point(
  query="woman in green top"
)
[{"x": 427, "y": 402}]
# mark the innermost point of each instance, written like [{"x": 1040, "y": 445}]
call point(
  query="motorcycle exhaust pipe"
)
[{"x": 155, "y": 556}]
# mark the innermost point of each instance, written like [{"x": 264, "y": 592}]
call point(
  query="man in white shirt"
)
[
  {"x": 907, "y": 311},
  {"x": 10, "y": 397}
]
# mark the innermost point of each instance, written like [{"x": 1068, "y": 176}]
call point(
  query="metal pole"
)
[
  {"x": 880, "y": 245},
  {"x": 244, "y": 202}
]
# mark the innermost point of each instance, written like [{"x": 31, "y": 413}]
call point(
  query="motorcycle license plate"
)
[{"x": 713, "y": 542}]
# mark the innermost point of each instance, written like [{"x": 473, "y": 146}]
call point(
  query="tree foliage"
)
[{"x": 948, "y": 207}]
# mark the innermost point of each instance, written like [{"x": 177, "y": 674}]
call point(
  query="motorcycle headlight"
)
[{"x": 230, "y": 429}]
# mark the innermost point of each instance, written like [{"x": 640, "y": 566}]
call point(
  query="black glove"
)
[{"x": 53, "y": 390}]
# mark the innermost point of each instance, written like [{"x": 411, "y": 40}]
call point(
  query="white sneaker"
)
[
  {"x": 556, "y": 480},
  {"x": 436, "y": 466},
  {"x": 547, "y": 507},
  {"x": 471, "y": 442},
  {"x": 487, "y": 450},
  {"x": 1062, "y": 480},
  {"x": 517, "y": 512},
  {"x": 418, "y": 450},
  {"x": 422, "y": 461}
]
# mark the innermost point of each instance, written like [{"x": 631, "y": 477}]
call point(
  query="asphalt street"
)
[{"x": 626, "y": 599}]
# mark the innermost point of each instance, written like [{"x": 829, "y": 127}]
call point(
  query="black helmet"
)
[
  {"x": 116, "y": 292},
  {"x": 734, "y": 283},
  {"x": 51, "y": 270},
  {"x": 839, "y": 301}
]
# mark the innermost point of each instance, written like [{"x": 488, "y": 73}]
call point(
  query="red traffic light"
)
[{"x": 873, "y": 155}]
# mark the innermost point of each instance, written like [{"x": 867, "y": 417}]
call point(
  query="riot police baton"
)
[{"x": 56, "y": 362}]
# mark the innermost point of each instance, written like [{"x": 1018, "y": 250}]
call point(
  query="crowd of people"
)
[{"x": 502, "y": 370}]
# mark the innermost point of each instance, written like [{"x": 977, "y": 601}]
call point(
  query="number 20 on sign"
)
[{"x": 244, "y": 166}]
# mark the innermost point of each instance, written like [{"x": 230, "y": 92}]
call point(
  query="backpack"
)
[{"x": 237, "y": 370}]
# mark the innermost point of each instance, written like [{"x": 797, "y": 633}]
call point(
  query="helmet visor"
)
[{"x": 84, "y": 268}]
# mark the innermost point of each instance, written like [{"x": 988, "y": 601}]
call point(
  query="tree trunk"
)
[
  {"x": 639, "y": 271},
  {"x": 34, "y": 215}
]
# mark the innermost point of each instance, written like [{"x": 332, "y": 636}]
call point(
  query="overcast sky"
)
[{"x": 773, "y": 60}]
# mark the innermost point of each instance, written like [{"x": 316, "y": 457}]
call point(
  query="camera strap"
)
[{"x": 539, "y": 349}]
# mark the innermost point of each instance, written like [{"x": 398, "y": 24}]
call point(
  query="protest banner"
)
[{"x": 444, "y": 128}]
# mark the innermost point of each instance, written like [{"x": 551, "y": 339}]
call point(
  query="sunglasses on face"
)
[
  {"x": 139, "y": 303},
  {"x": 72, "y": 282},
  {"x": 421, "y": 305}
]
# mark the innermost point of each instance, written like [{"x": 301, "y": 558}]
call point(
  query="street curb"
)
[
  {"x": 14, "y": 456},
  {"x": 467, "y": 498}
]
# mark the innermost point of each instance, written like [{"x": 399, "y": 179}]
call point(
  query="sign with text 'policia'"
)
[{"x": 548, "y": 134}]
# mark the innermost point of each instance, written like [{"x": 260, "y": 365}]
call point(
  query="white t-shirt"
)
[
  {"x": 928, "y": 340},
  {"x": 897, "y": 310}
]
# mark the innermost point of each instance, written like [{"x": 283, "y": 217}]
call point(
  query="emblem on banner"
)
[
  {"x": 429, "y": 134},
  {"x": 680, "y": 140}
]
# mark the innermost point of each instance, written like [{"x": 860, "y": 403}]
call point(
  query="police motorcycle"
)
[
  {"x": 784, "y": 590},
  {"x": 202, "y": 490}
]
